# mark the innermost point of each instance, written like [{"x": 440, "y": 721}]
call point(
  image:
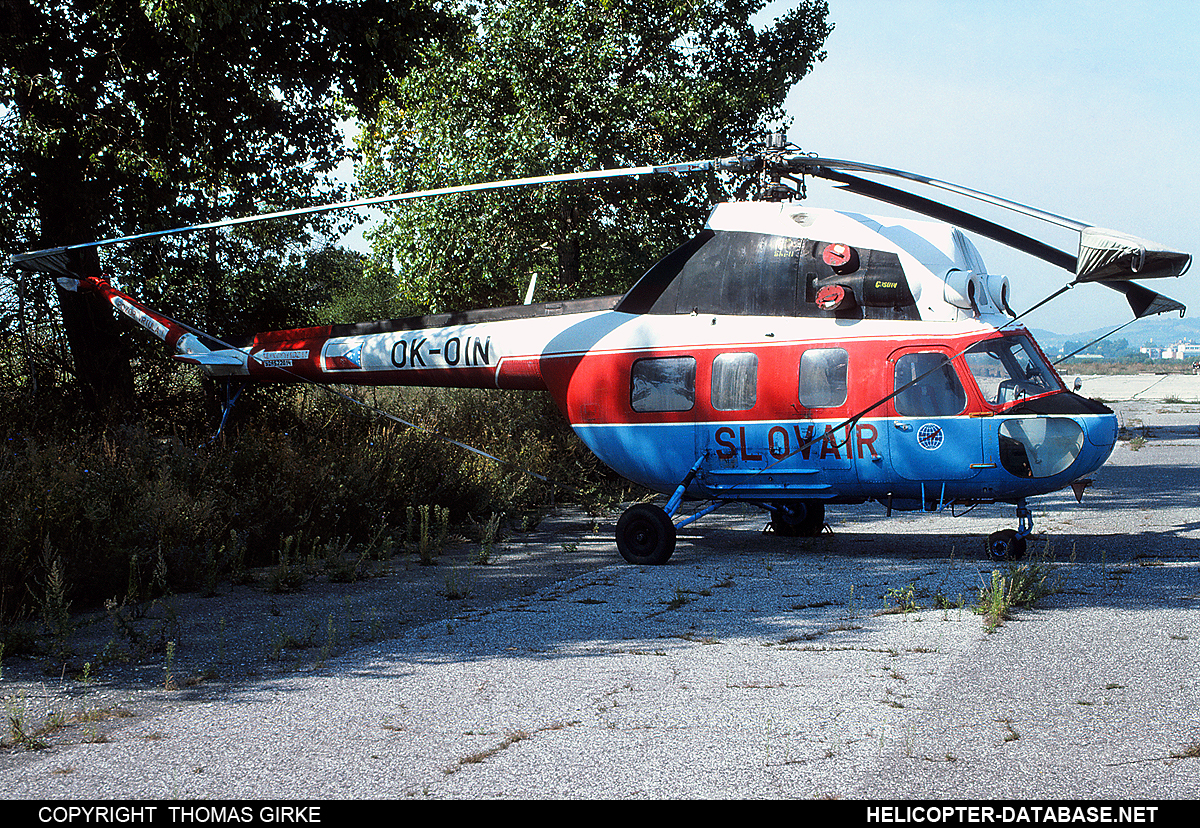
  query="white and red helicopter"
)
[{"x": 786, "y": 356}]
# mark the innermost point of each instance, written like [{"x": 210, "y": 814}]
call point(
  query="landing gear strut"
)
[{"x": 1009, "y": 544}]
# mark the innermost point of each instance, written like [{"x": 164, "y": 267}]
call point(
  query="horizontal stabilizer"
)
[
  {"x": 1107, "y": 255},
  {"x": 55, "y": 260},
  {"x": 229, "y": 357}
]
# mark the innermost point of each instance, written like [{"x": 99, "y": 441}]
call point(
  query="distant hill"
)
[{"x": 1164, "y": 329}]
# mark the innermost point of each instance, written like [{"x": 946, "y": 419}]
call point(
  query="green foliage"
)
[
  {"x": 119, "y": 117},
  {"x": 1019, "y": 585},
  {"x": 578, "y": 85}
]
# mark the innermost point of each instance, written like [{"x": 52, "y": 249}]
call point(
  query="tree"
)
[
  {"x": 127, "y": 115},
  {"x": 577, "y": 85}
]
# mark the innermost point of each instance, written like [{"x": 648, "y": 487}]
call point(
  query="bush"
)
[{"x": 132, "y": 512}]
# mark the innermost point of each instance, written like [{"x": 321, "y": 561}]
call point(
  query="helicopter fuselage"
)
[
  {"x": 783, "y": 354},
  {"x": 771, "y": 408},
  {"x": 786, "y": 356}
]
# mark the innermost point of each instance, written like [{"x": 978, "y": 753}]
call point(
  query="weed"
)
[
  {"x": 1010, "y": 734},
  {"x": 1020, "y": 585},
  {"x": 56, "y": 609},
  {"x": 168, "y": 675},
  {"x": 142, "y": 636},
  {"x": 1137, "y": 443},
  {"x": 441, "y": 516},
  {"x": 901, "y": 600},
  {"x": 410, "y": 526},
  {"x": 289, "y": 575},
  {"x": 943, "y": 603},
  {"x": 424, "y": 550},
  {"x": 330, "y": 644},
  {"x": 458, "y": 588},
  {"x": 681, "y": 598},
  {"x": 347, "y": 570},
  {"x": 487, "y": 540},
  {"x": 285, "y": 640}
]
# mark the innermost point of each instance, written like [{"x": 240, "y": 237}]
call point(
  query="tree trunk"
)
[{"x": 102, "y": 365}]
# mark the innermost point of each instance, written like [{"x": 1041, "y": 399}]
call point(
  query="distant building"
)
[{"x": 1189, "y": 351}]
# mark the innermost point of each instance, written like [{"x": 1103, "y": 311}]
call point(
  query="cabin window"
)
[
  {"x": 1010, "y": 369},
  {"x": 663, "y": 384},
  {"x": 823, "y": 378},
  {"x": 734, "y": 382},
  {"x": 933, "y": 388}
]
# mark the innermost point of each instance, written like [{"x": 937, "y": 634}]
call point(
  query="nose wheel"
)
[
  {"x": 1009, "y": 544},
  {"x": 798, "y": 519},
  {"x": 1006, "y": 545}
]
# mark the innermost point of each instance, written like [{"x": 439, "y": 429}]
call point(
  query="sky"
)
[{"x": 1089, "y": 110}]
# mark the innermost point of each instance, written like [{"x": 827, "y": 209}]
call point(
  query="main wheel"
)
[
  {"x": 645, "y": 535},
  {"x": 802, "y": 519},
  {"x": 1006, "y": 546}
]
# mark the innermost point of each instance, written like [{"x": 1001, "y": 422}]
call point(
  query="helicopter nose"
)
[
  {"x": 1057, "y": 447},
  {"x": 1101, "y": 430}
]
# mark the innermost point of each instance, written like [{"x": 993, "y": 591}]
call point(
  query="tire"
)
[
  {"x": 802, "y": 519},
  {"x": 645, "y": 535},
  {"x": 1006, "y": 546}
]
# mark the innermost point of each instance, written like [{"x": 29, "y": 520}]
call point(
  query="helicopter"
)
[{"x": 786, "y": 356}]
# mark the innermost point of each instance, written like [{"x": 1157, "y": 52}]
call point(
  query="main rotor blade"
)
[
  {"x": 53, "y": 258},
  {"x": 943, "y": 212},
  {"x": 819, "y": 166}
]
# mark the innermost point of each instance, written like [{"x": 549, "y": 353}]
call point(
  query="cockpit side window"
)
[
  {"x": 933, "y": 388},
  {"x": 1009, "y": 369}
]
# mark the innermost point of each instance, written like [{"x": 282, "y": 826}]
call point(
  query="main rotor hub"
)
[{"x": 767, "y": 165}]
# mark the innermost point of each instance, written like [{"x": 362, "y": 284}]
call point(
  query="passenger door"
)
[{"x": 930, "y": 437}]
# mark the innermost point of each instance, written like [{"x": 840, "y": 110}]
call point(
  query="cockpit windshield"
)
[{"x": 1010, "y": 369}]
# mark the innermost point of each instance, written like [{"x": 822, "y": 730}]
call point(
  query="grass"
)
[
  {"x": 1018, "y": 585},
  {"x": 125, "y": 513},
  {"x": 681, "y": 598},
  {"x": 1192, "y": 751},
  {"x": 24, "y": 734},
  {"x": 483, "y": 755}
]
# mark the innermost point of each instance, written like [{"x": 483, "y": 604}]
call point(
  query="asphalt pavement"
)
[{"x": 852, "y": 665}]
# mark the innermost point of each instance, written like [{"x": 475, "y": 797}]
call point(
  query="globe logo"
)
[{"x": 930, "y": 436}]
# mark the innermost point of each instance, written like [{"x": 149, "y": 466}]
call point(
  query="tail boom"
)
[{"x": 500, "y": 348}]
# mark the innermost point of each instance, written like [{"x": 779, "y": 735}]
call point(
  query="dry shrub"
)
[{"x": 111, "y": 504}]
